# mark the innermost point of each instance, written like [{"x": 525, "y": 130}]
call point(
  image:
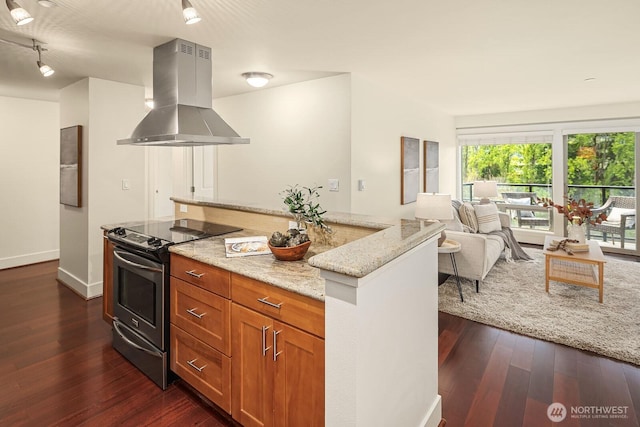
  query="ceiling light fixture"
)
[
  {"x": 44, "y": 68},
  {"x": 47, "y": 3},
  {"x": 257, "y": 79},
  {"x": 189, "y": 13},
  {"x": 149, "y": 103},
  {"x": 20, "y": 15}
]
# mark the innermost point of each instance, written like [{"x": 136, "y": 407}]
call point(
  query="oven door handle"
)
[
  {"x": 116, "y": 322},
  {"x": 135, "y": 264}
]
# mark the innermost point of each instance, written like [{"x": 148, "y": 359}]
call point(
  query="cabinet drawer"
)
[
  {"x": 200, "y": 274},
  {"x": 204, "y": 368},
  {"x": 201, "y": 313},
  {"x": 289, "y": 307}
]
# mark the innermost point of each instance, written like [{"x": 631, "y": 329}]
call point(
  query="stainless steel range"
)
[{"x": 141, "y": 289}]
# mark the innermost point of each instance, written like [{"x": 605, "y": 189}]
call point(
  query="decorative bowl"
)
[{"x": 292, "y": 253}]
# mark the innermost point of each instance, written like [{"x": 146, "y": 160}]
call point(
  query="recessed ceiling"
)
[{"x": 461, "y": 57}]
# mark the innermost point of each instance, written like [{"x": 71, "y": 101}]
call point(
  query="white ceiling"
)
[{"x": 460, "y": 56}]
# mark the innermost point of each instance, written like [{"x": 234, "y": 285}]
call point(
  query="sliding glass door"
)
[{"x": 601, "y": 168}]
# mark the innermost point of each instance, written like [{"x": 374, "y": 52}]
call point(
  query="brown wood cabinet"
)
[
  {"x": 255, "y": 350},
  {"x": 200, "y": 328},
  {"x": 107, "y": 280},
  {"x": 278, "y": 369}
]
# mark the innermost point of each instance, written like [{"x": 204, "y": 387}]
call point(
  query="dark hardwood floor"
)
[{"x": 58, "y": 368}]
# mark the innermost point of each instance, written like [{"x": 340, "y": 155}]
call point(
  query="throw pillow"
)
[
  {"x": 468, "y": 216},
  {"x": 525, "y": 201},
  {"x": 616, "y": 214},
  {"x": 488, "y": 219},
  {"x": 454, "y": 224}
]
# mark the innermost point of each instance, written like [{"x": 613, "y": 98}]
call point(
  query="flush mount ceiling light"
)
[
  {"x": 189, "y": 13},
  {"x": 47, "y": 3},
  {"x": 18, "y": 14},
  {"x": 256, "y": 78},
  {"x": 44, "y": 68}
]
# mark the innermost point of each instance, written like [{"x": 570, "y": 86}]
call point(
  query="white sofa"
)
[{"x": 478, "y": 253}]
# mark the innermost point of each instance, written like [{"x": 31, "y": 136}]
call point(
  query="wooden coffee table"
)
[{"x": 581, "y": 268}]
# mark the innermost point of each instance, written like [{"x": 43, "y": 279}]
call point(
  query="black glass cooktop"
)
[{"x": 180, "y": 230}]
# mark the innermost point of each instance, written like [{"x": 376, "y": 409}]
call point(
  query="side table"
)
[{"x": 452, "y": 247}]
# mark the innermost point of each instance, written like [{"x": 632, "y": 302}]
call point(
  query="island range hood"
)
[{"x": 182, "y": 115}]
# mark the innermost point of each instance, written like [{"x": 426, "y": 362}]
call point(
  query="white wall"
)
[
  {"x": 592, "y": 112},
  {"x": 380, "y": 118},
  {"x": 338, "y": 127},
  {"x": 29, "y": 181},
  {"x": 108, "y": 111},
  {"x": 299, "y": 135}
]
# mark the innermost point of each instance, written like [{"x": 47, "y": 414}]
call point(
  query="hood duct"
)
[{"x": 182, "y": 95}]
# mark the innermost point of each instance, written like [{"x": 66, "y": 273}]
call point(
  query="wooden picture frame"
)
[
  {"x": 431, "y": 161},
  {"x": 71, "y": 166},
  {"x": 410, "y": 169}
]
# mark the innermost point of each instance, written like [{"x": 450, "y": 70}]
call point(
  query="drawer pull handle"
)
[
  {"x": 192, "y": 311},
  {"x": 194, "y": 274},
  {"x": 264, "y": 341},
  {"x": 276, "y": 353},
  {"x": 269, "y": 303},
  {"x": 193, "y": 365}
]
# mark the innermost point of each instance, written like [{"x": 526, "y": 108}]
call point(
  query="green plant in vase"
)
[{"x": 302, "y": 203}]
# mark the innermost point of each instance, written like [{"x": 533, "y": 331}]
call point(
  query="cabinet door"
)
[
  {"x": 299, "y": 377},
  {"x": 107, "y": 281},
  {"x": 252, "y": 367}
]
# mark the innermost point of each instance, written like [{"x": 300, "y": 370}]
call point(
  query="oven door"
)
[{"x": 139, "y": 295}]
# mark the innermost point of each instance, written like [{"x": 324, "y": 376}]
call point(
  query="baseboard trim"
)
[
  {"x": 433, "y": 417},
  {"x": 85, "y": 290},
  {"x": 28, "y": 259}
]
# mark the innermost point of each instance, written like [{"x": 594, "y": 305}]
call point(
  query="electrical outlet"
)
[
  {"x": 334, "y": 184},
  {"x": 183, "y": 208}
]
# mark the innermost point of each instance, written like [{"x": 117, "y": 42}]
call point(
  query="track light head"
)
[
  {"x": 19, "y": 15},
  {"x": 189, "y": 13}
]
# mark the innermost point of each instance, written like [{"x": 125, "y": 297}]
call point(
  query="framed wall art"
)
[
  {"x": 71, "y": 166},
  {"x": 410, "y": 169},
  {"x": 431, "y": 153}
]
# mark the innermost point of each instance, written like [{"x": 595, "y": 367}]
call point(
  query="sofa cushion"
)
[
  {"x": 524, "y": 201},
  {"x": 487, "y": 217},
  {"x": 468, "y": 216},
  {"x": 454, "y": 224}
]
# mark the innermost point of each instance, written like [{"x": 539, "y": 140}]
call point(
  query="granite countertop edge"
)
[{"x": 356, "y": 220}]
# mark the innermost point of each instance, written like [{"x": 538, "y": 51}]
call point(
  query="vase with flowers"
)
[{"x": 579, "y": 213}]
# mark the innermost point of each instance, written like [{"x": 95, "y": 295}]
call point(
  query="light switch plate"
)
[
  {"x": 362, "y": 185},
  {"x": 334, "y": 184},
  {"x": 125, "y": 184}
]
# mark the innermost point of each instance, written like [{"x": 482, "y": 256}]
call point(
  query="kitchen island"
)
[
  {"x": 378, "y": 280},
  {"x": 373, "y": 287}
]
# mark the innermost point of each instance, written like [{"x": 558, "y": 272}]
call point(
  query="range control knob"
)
[
  {"x": 154, "y": 241},
  {"x": 119, "y": 231}
]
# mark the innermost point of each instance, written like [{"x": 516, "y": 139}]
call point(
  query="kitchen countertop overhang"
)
[{"x": 355, "y": 259}]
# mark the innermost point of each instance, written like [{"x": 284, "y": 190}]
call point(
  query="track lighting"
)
[
  {"x": 44, "y": 68},
  {"x": 18, "y": 14},
  {"x": 256, "y": 78},
  {"x": 189, "y": 13}
]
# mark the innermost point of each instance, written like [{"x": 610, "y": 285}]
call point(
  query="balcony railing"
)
[{"x": 598, "y": 194}]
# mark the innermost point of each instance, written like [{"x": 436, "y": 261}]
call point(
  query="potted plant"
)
[{"x": 302, "y": 203}]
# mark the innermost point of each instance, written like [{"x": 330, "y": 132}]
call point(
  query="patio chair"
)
[
  {"x": 523, "y": 215},
  {"x": 621, "y": 216}
]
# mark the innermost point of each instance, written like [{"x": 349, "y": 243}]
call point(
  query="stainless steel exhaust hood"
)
[{"x": 182, "y": 95}]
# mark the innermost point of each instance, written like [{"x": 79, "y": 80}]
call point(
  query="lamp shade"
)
[
  {"x": 433, "y": 206},
  {"x": 485, "y": 189}
]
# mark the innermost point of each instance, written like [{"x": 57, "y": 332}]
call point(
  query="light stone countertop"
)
[{"x": 356, "y": 259}]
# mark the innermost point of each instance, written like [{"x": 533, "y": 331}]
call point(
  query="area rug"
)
[{"x": 513, "y": 297}]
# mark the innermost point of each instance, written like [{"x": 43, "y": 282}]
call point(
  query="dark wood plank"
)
[{"x": 58, "y": 368}]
